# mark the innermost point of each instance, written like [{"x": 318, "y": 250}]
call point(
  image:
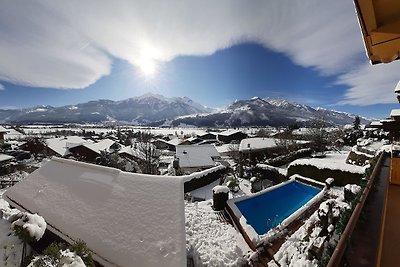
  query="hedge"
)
[{"x": 341, "y": 177}]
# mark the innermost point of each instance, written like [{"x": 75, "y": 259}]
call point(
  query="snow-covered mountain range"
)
[
  {"x": 153, "y": 109},
  {"x": 140, "y": 110},
  {"x": 273, "y": 112}
]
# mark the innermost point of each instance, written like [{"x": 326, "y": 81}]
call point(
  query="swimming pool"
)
[{"x": 268, "y": 209}]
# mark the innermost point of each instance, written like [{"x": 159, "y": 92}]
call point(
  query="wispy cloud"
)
[
  {"x": 2, "y": 88},
  {"x": 61, "y": 44},
  {"x": 371, "y": 84}
]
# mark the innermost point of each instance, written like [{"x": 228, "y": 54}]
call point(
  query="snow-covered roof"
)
[
  {"x": 3, "y": 130},
  {"x": 375, "y": 123},
  {"x": 196, "y": 156},
  {"x": 132, "y": 151},
  {"x": 230, "y": 132},
  {"x": 102, "y": 145},
  {"x": 175, "y": 141},
  {"x": 124, "y": 218},
  {"x": 226, "y": 148},
  {"x": 13, "y": 134},
  {"x": 397, "y": 89},
  {"x": 4, "y": 157},
  {"x": 256, "y": 143},
  {"x": 395, "y": 113},
  {"x": 387, "y": 121},
  {"x": 62, "y": 144},
  {"x": 259, "y": 143}
]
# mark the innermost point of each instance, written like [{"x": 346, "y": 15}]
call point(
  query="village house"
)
[
  {"x": 3, "y": 131},
  {"x": 89, "y": 152},
  {"x": 208, "y": 136},
  {"x": 230, "y": 136}
]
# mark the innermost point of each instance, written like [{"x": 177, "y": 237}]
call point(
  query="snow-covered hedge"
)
[{"x": 200, "y": 179}]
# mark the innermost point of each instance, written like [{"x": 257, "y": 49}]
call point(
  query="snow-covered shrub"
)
[
  {"x": 28, "y": 227},
  {"x": 233, "y": 184},
  {"x": 66, "y": 258},
  {"x": 62, "y": 255}
]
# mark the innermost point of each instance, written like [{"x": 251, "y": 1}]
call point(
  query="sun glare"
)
[{"x": 147, "y": 65}]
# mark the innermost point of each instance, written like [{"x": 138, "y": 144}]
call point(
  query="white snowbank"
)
[
  {"x": 10, "y": 245},
  {"x": 209, "y": 241}
]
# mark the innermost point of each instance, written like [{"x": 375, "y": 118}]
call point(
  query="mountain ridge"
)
[{"x": 155, "y": 110}]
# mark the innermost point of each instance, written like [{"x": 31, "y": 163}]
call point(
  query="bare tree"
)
[
  {"x": 285, "y": 140},
  {"x": 150, "y": 154},
  {"x": 318, "y": 134},
  {"x": 233, "y": 152}
]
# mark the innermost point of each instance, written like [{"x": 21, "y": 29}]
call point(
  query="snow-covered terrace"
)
[{"x": 124, "y": 218}]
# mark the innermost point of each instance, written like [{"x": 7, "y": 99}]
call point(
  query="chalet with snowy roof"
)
[
  {"x": 208, "y": 136},
  {"x": 60, "y": 146},
  {"x": 193, "y": 140},
  {"x": 374, "y": 125},
  {"x": 3, "y": 131},
  {"x": 193, "y": 158},
  {"x": 230, "y": 136},
  {"x": 392, "y": 124},
  {"x": 90, "y": 151},
  {"x": 125, "y": 219}
]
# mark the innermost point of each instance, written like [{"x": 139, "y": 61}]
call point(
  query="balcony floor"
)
[
  {"x": 390, "y": 253},
  {"x": 364, "y": 242}
]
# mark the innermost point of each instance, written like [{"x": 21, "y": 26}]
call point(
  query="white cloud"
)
[
  {"x": 2, "y": 87},
  {"x": 371, "y": 84},
  {"x": 70, "y": 44}
]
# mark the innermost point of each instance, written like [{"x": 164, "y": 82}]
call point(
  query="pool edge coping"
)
[{"x": 237, "y": 213}]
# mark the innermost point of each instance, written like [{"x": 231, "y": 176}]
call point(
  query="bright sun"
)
[{"x": 148, "y": 66}]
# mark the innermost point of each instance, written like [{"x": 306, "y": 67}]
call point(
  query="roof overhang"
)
[{"x": 380, "y": 26}]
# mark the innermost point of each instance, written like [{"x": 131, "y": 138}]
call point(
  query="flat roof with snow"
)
[{"x": 126, "y": 219}]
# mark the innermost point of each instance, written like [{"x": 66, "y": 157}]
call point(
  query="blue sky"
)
[{"x": 58, "y": 55}]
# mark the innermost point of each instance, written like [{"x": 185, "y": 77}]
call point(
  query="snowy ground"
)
[
  {"x": 10, "y": 245},
  {"x": 209, "y": 241}
]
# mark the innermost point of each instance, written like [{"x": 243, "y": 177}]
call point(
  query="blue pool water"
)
[{"x": 264, "y": 212}]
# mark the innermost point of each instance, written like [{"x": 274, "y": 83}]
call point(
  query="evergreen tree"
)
[{"x": 356, "y": 123}]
